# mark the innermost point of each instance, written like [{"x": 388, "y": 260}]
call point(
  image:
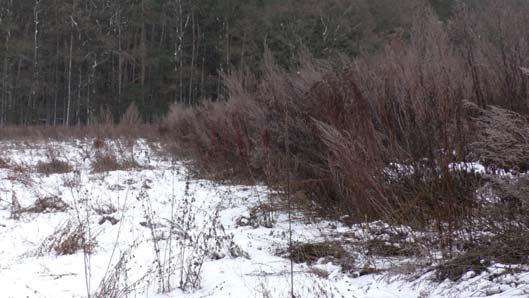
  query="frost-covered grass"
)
[{"x": 149, "y": 229}]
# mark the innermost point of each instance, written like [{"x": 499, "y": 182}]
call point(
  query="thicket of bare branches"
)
[
  {"x": 388, "y": 135},
  {"x": 502, "y": 139}
]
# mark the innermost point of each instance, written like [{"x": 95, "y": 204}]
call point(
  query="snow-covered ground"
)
[{"x": 155, "y": 231}]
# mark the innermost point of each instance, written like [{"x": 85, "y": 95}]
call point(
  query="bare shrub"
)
[
  {"x": 99, "y": 143},
  {"x": 342, "y": 134},
  {"x": 320, "y": 273},
  {"x": 389, "y": 249},
  {"x": 260, "y": 215},
  {"x": 502, "y": 139},
  {"x": 457, "y": 267},
  {"x": 103, "y": 118},
  {"x": 130, "y": 163},
  {"x": 105, "y": 208},
  {"x": 147, "y": 131},
  {"x": 116, "y": 283},
  {"x": 508, "y": 196},
  {"x": 388, "y": 135},
  {"x": 187, "y": 242},
  {"x": 131, "y": 118},
  {"x": 4, "y": 163},
  {"x": 372, "y": 111},
  {"x": 20, "y": 172},
  {"x": 67, "y": 239},
  {"x": 47, "y": 205},
  {"x": 508, "y": 246},
  {"x": 71, "y": 182},
  {"x": 107, "y": 161},
  {"x": 312, "y": 252},
  {"x": 53, "y": 166}
]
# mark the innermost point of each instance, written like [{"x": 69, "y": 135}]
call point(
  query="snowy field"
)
[{"x": 146, "y": 228}]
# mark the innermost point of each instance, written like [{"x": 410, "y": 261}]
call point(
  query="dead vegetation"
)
[
  {"x": 312, "y": 252},
  {"x": 105, "y": 208},
  {"x": 20, "y": 172},
  {"x": 109, "y": 130},
  {"x": 390, "y": 248},
  {"x": 389, "y": 136},
  {"x": 68, "y": 239},
  {"x": 4, "y": 163},
  {"x": 502, "y": 140},
  {"x": 47, "y": 205},
  {"x": 53, "y": 166},
  {"x": 106, "y": 162},
  {"x": 116, "y": 283},
  {"x": 260, "y": 215},
  {"x": 113, "y": 155},
  {"x": 455, "y": 268},
  {"x": 113, "y": 285}
]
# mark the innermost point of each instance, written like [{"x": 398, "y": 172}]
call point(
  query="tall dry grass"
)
[{"x": 377, "y": 136}]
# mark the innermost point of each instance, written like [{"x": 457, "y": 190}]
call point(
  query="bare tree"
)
[{"x": 34, "y": 83}]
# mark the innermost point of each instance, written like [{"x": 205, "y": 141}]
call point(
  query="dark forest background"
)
[{"x": 65, "y": 62}]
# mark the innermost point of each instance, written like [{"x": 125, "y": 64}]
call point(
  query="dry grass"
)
[
  {"x": 377, "y": 137},
  {"x": 502, "y": 141},
  {"x": 511, "y": 248},
  {"x": 390, "y": 249},
  {"x": 457, "y": 267},
  {"x": 111, "y": 131},
  {"x": 115, "y": 283},
  {"x": 106, "y": 162},
  {"x": 68, "y": 239},
  {"x": 53, "y": 166},
  {"x": 20, "y": 172},
  {"x": 312, "y": 252},
  {"x": 4, "y": 163},
  {"x": 104, "y": 208},
  {"x": 47, "y": 205}
]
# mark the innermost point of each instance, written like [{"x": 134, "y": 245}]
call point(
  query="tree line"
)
[{"x": 64, "y": 62}]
